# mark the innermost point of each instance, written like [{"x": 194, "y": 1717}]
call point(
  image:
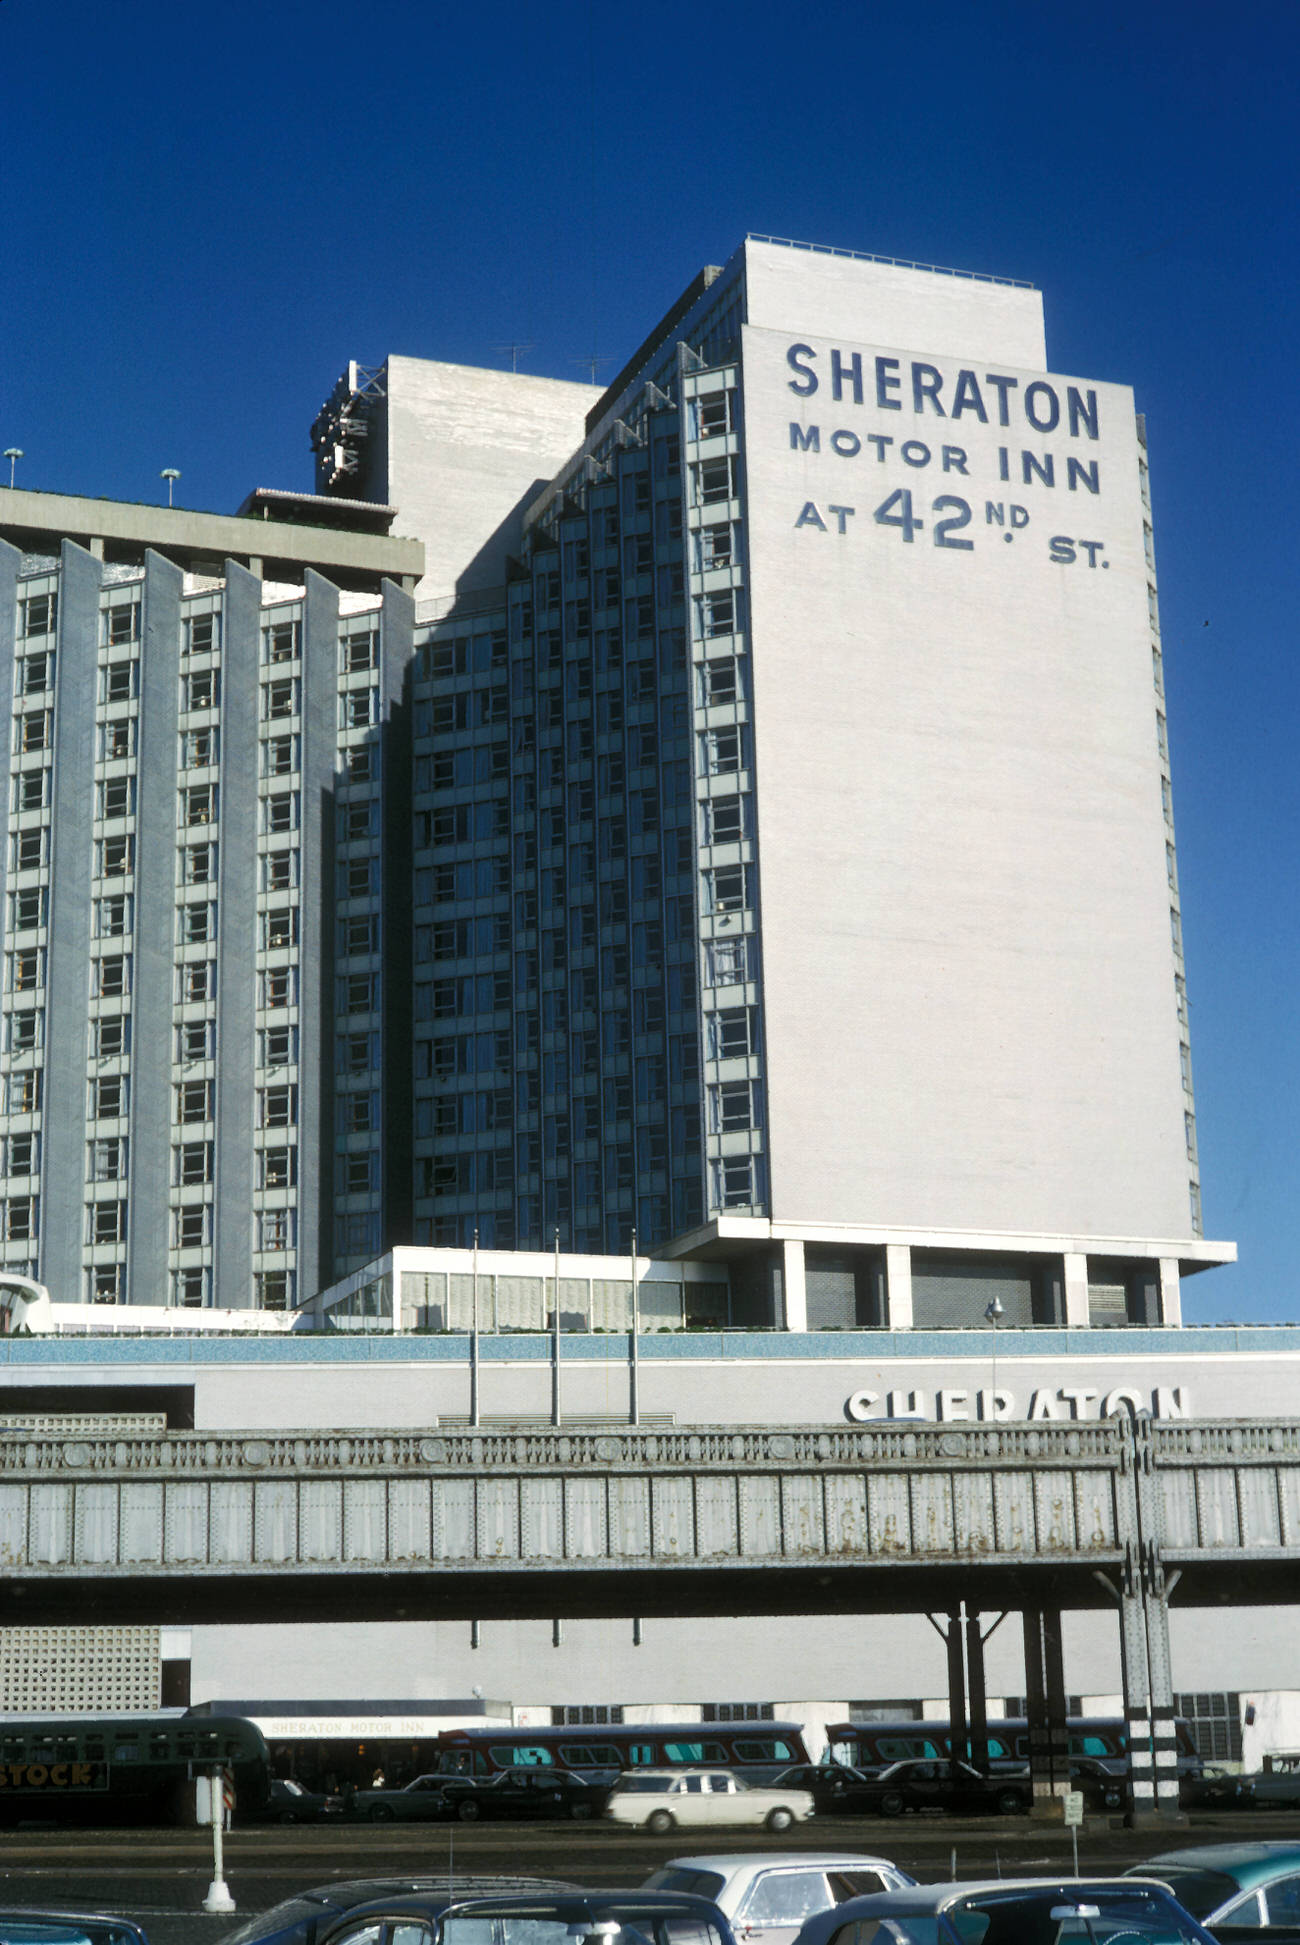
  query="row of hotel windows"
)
[{"x": 120, "y": 626}]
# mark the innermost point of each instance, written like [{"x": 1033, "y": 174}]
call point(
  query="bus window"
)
[
  {"x": 520, "y": 1755},
  {"x": 126, "y": 1752},
  {"x": 694, "y": 1752},
  {"x": 642, "y": 1754},
  {"x": 773, "y": 1750}
]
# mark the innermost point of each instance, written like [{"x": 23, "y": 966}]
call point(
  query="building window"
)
[
  {"x": 360, "y": 934},
  {"x": 714, "y": 480},
  {"x": 198, "y": 749},
  {"x": 275, "y": 1229},
  {"x": 728, "y": 962},
  {"x": 38, "y": 614},
  {"x": 585, "y": 1715},
  {"x": 731, "y": 1106},
  {"x": 281, "y": 811},
  {"x": 29, "y": 850},
  {"x": 121, "y": 624},
  {"x": 277, "y": 1168},
  {"x": 108, "y": 1097},
  {"x": 274, "y": 1289},
  {"x": 24, "y": 1030},
  {"x": 727, "y": 888},
  {"x": 196, "y": 982},
  {"x": 111, "y": 978},
  {"x": 719, "y": 612},
  {"x": 191, "y": 1287},
  {"x": 116, "y": 856},
  {"x": 117, "y": 740},
  {"x": 731, "y": 1033},
  {"x": 117, "y": 797},
  {"x": 279, "y": 1107},
  {"x": 104, "y": 1282},
  {"x": 280, "y": 928},
  {"x": 198, "y": 924},
  {"x": 202, "y": 689},
  {"x": 108, "y": 1222},
  {"x": 714, "y": 415},
  {"x": 117, "y": 682},
  {"x": 112, "y": 917},
  {"x": 193, "y": 1163},
  {"x": 194, "y": 1040},
  {"x": 733, "y": 1186},
  {"x": 27, "y": 909},
  {"x": 737, "y": 1712},
  {"x": 722, "y": 751},
  {"x": 199, "y": 803},
  {"x": 34, "y": 730},
  {"x": 357, "y": 1173},
  {"x": 280, "y": 641},
  {"x": 279, "y": 986},
  {"x": 280, "y": 698},
  {"x": 111, "y": 1036},
  {"x": 194, "y": 1101},
  {"x": 35, "y": 674},
  {"x": 279, "y": 1046},
  {"x": 23, "y": 1092},
  {"x": 198, "y": 864},
  {"x": 24, "y": 969},
  {"x": 360, "y": 650},
  {"x": 202, "y": 634},
  {"x": 193, "y": 1222},
  {"x": 279, "y": 756},
  {"x": 108, "y": 1159},
  {"x": 357, "y": 708},
  {"x": 22, "y": 1155}
]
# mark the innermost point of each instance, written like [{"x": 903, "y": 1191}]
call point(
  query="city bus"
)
[
  {"x": 754, "y": 1750},
  {"x": 872, "y": 1746},
  {"x": 123, "y": 1768}
]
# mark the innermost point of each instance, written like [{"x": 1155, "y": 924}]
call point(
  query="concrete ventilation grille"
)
[{"x": 44, "y": 1670}]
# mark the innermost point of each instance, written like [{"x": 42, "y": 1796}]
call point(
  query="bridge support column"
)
[
  {"x": 979, "y": 1706},
  {"x": 1049, "y": 1757}
]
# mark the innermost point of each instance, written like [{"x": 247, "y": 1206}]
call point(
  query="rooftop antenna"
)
[
  {"x": 993, "y": 1310},
  {"x": 13, "y": 454},
  {"x": 514, "y": 350},
  {"x": 171, "y": 474}
]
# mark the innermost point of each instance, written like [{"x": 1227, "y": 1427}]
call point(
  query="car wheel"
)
[
  {"x": 382, "y": 1813},
  {"x": 579, "y": 1812},
  {"x": 891, "y": 1804},
  {"x": 1009, "y": 1803},
  {"x": 780, "y": 1818},
  {"x": 468, "y": 1811},
  {"x": 659, "y": 1821}
]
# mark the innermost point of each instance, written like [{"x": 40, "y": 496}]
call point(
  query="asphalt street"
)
[{"x": 162, "y": 1876}]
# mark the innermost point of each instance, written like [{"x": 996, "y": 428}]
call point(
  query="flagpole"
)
[{"x": 634, "y": 1349}]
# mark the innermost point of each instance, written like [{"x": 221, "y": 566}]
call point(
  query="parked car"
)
[
  {"x": 1029, "y": 1911},
  {"x": 539, "y": 1792},
  {"x": 1215, "y": 1788},
  {"x": 288, "y": 1802},
  {"x": 837, "y": 1790},
  {"x": 949, "y": 1785},
  {"x": 768, "y": 1895},
  {"x": 1100, "y": 1788},
  {"x": 415, "y": 1802},
  {"x": 23, "y": 1925},
  {"x": 1277, "y": 1788},
  {"x": 573, "y": 1918},
  {"x": 660, "y": 1799},
  {"x": 1234, "y": 1887},
  {"x": 304, "y": 1918}
]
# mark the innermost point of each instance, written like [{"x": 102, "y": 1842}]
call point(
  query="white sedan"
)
[{"x": 662, "y": 1799}]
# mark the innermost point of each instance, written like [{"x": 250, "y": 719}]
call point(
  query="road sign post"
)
[
  {"x": 221, "y": 1797},
  {"x": 1072, "y": 1805}
]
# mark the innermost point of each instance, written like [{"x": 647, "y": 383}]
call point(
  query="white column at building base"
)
[
  {"x": 1171, "y": 1294},
  {"x": 898, "y": 1286},
  {"x": 792, "y": 1280},
  {"x": 1076, "y": 1291}
]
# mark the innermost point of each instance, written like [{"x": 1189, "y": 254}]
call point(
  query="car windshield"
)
[
  {"x": 704, "y": 1884},
  {"x": 530, "y": 1928},
  {"x": 645, "y": 1785},
  {"x": 1198, "y": 1891},
  {"x": 1059, "y": 1914}
]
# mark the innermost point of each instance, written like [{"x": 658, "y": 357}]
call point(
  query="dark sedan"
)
[
  {"x": 417, "y": 1802},
  {"x": 288, "y": 1802},
  {"x": 952, "y": 1786},
  {"x": 536, "y": 1792},
  {"x": 580, "y": 1918},
  {"x": 836, "y": 1790},
  {"x": 306, "y": 1917}
]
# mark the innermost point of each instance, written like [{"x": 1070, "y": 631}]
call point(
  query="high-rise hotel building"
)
[{"x": 731, "y": 807}]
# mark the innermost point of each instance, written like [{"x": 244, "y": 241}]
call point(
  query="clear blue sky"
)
[{"x": 209, "y": 210}]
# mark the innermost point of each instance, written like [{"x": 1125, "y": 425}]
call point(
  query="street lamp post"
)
[
  {"x": 13, "y": 454},
  {"x": 171, "y": 474}
]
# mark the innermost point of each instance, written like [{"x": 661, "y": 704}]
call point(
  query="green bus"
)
[{"x": 124, "y": 1768}]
